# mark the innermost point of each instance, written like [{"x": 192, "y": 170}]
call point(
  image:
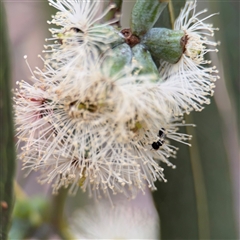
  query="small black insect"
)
[
  {"x": 157, "y": 145},
  {"x": 77, "y": 30},
  {"x": 161, "y": 133},
  {"x": 160, "y": 141}
]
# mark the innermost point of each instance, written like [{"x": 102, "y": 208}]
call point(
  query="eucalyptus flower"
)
[
  {"x": 100, "y": 115},
  {"x": 103, "y": 222},
  {"x": 196, "y": 80},
  {"x": 95, "y": 130},
  {"x": 80, "y": 30}
]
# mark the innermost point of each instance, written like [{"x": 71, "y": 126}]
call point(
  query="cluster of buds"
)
[{"x": 107, "y": 107}]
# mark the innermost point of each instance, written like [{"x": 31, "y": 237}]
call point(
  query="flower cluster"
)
[{"x": 101, "y": 115}]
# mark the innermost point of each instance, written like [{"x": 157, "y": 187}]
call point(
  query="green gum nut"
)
[
  {"x": 110, "y": 35},
  {"x": 145, "y": 13},
  {"x": 144, "y": 63},
  {"x": 116, "y": 59},
  {"x": 165, "y": 44}
]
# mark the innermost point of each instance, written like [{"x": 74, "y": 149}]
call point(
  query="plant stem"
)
[
  {"x": 57, "y": 214},
  {"x": 171, "y": 12},
  {"x": 7, "y": 150},
  {"x": 111, "y": 15}
]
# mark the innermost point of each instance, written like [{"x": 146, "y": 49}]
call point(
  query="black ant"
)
[{"x": 161, "y": 140}]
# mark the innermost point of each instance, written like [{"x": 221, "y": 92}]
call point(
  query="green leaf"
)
[
  {"x": 145, "y": 13},
  {"x": 216, "y": 172},
  {"x": 7, "y": 150},
  {"x": 230, "y": 38}
]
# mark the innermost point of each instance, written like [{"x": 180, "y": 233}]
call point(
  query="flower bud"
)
[
  {"x": 144, "y": 62},
  {"x": 116, "y": 59},
  {"x": 108, "y": 34},
  {"x": 165, "y": 44},
  {"x": 145, "y": 13}
]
